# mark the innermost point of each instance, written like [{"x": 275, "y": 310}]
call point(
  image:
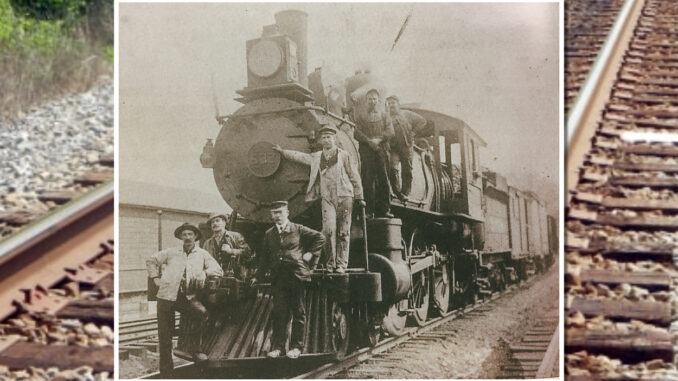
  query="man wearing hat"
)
[
  {"x": 227, "y": 247},
  {"x": 289, "y": 251},
  {"x": 405, "y": 124},
  {"x": 335, "y": 180},
  {"x": 374, "y": 130},
  {"x": 177, "y": 272}
]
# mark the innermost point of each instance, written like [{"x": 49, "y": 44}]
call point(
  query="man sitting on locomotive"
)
[
  {"x": 405, "y": 124},
  {"x": 178, "y": 272},
  {"x": 290, "y": 251},
  {"x": 374, "y": 130},
  {"x": 228, "y": 247},
  {"x": 335, "y": 180}
]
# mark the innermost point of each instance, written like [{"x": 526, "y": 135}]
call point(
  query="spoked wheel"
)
[
  {"x": 341, "y": 330},
  {"x": 420, "y": 297},
  {"x": 441, "y": 289},
  {"x": 395, "y": 320}
]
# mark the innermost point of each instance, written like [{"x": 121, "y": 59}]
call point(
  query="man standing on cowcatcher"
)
[
  {"x": 179, "y": 272},
  {"x": 336, "y": 181},
  {"x": 290, "y": 251}
]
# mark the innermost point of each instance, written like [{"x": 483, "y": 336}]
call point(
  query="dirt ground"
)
[{"x": 481, "y": 343}]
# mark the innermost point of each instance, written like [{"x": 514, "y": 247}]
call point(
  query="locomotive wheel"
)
[
  {"x": 421, "y": 297},
  {"x": 441, "y": 289},
  {"x": 341, "y": 330},
  {"x": 395, "y": 320}
]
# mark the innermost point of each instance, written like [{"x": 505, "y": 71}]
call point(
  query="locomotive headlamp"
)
[{"x": 264, "y": 58}]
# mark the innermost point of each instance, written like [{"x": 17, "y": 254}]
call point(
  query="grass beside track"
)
[{"x": 41, "y": 57}]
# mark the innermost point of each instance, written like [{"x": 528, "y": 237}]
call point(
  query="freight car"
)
[{"x": 462, "y": 233}]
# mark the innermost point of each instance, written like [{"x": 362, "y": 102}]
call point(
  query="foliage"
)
[
  {"x": 49, "y": 45},
  {"x": 110, "y": 53},
  {"x": 49, "y": 9}
]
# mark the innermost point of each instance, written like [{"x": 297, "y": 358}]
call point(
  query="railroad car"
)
[{"x": 463, "y": 233}]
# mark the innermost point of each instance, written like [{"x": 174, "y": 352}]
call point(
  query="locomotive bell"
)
[{"x": 207, "y": 157}]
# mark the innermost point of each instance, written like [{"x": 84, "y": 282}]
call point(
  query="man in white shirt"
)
[{"x": 179, "y": 272}]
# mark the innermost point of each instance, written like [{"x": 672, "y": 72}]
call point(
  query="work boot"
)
[
  {"x": 199, "y": 356},
  {"x": 274, "y": 354},
  {"x": 293, "y": 353}
]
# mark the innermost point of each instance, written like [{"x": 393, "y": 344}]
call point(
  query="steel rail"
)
[
  {"x": 587, "y": 108},
  {"x": 40, "y": 254},
  {"x": 550, "y": 357},
  {"x": 55, "y": 221}
]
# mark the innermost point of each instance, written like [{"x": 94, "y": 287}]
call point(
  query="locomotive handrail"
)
[{"x": 222, "y": 118}]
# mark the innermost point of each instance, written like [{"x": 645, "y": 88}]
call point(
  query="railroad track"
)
[
  {"x": 535, "y": 355},
  {"x": 56, "y": 293},
  {"x": 587, "y": 24},
  {"x": 18, "y": 217},
  {"x": 623, "y": 207},
  {"x": 378, "y": 360}
]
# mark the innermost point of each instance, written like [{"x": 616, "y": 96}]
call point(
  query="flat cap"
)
[
  {"x": 187, "y": 226},
  {"x": 327, "y": 130},
  {"x": 394, "y": 97},
  {"x": 372, "y": 91},
  {"x": 278, "y": 205}
]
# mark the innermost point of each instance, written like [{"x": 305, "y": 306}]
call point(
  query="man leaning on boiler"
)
[{"x": 336, "y": 181}]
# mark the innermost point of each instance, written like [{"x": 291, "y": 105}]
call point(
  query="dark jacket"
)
[
  {"x": 373, "y": 125},
  {"x": 236, "y": 241},
  {"x": 283, "y": 253}
]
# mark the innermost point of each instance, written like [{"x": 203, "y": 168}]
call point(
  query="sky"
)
[{"x": 493, "y": 65}]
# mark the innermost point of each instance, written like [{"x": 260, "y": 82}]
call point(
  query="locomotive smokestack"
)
[{"x": 294, "y": 24}]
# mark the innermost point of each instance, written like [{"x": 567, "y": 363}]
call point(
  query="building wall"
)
[{"x": 138, "y": 239}]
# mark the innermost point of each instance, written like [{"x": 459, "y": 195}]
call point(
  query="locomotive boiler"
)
[{"x": 462, "y": 233}]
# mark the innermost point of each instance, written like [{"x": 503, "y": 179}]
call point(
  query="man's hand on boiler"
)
[{"x": 276, "y": 147}]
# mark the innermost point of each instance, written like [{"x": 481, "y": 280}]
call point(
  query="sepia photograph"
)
[
  {"x": 339, "y": 190},
  {"x": 57, "y": 285}
]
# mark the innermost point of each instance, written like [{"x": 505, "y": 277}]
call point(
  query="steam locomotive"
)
[{"x": 462, "y": 233}]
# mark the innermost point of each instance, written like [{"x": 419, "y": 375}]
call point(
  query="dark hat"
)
[
  {"x": 217, "y": 215},
  {"x": 186, "y": 225},
  {"x": 278, "y": 205},
  {"x": 327, "y": 129},
  {"x": 394, "y": 97}
]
